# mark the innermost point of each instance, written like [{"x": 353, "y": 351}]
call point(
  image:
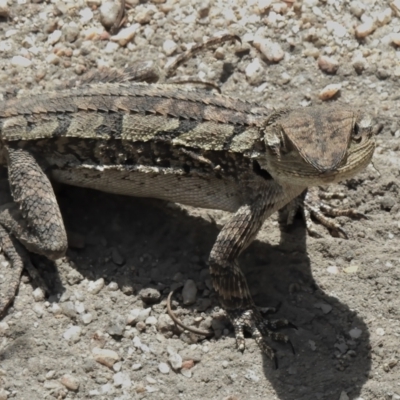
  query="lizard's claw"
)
[
  {"x": 312, "y": 205},
  {"x": 252, "y": 321}
]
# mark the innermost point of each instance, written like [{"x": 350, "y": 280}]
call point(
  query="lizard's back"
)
[{"x": 162, "y": 141}]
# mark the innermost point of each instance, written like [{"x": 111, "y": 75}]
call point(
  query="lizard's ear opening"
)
[{"x": 277, "y": 141}]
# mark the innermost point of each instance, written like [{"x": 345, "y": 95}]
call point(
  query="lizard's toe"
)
[{"x": 252, "y": 321}]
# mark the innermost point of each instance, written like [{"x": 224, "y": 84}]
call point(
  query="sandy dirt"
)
[{"x": 343, "y": 295}]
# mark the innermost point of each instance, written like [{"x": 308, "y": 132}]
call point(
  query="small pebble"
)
[
  {"x": 70, "y": 382},
  {"x": 113, "y": 286},
  {"x": 73, "y": 333},
  {"x": 123, "y": 37},
  {"x": 4, "y": 9},
  {"x": 137, "y": 314},
  {"x": 380, "y": 331},
  {"x": 272, "y": 51},
  {"x": 175, "y": 360},
  {"x": 169, "y": 47},
  {"x": 117, "y": 257},
  {"x": 343, "y": 396},
  {"x": 39, "y": 310},
  {"x": 117, "y": 366},
  {"x": 109, "y": 12},
  {"x": 122, "y": 379},
  {"x": 396, "y": 38},
  {"x": 151, "y": 320},
  {"x": 328, "y": 64},
  {"x": 333, "y": 269},
  {"x": 355, "y": 333},
  {"x": 329, "y": 91},
  {"x": 38, "y": 294},
  {"x": 254, "y": 72},
  {"x": 186, "y": 372},
  {"x": 87, "y": 318},
  {"x": 105, "y": 356},
  {"x": 54, "y": 37},
  {"x": 20, "y": 61},
  {"x": 263, "y": 6},
  {"x": 136, "y": 367},
  {"x": 150, "y": 380},
  {"x": 116, "y": 326},
  {"x": 94, "y": 287},
  {"x": 163, "y": 368},
  {"x": 365, "y": 29},
  {"x": 189, "y": 292},
  {"x": 149, "y": 295},
  {"x": 86, "y": 15}
]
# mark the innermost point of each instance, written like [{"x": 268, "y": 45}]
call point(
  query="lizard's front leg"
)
[{"x": 230, "y": 283}]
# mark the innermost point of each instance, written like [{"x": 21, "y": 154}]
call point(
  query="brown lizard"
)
[{"x": 179, "y": 144}]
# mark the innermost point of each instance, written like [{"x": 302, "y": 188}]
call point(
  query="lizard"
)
[{"x": 179, "y": 144}]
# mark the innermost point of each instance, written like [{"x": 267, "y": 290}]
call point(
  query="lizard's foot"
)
[
  {"x": 252, "y": 321},
  {"x": 11, "y": 271},
  {"x": 312, "y": 205}
]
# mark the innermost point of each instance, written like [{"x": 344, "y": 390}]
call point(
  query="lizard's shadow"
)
[{"x": 156, "y": 245}]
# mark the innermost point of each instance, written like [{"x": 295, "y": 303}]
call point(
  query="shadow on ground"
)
[{"x": 157, "y": 242}]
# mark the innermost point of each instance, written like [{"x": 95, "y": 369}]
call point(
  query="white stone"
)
[
  {"x": 86, "y": 15},
  {"x": 79, "y": 307},
  {"x": 108, "y": 13},
  {"x": 39, "y": 310},
  {"x": 163, "y": 368},
  {"x": 263, "y": 5},
  {"x": 384, "y": 17},
  {"x": 169, "y": 47},
  {"x": 137, "y": 314},
  {"x": 151, "y": 320},
  {"x": 56, "y": 309},
  {"x": 122, "y": 379},
  {"x": 53, "y": 59},
  {"x": 187, "y": 373},
  {"x": 396, "y": 38},
  {"x": 336, "y": 28},
  {"x": 38, "y": 294},
  {"x": 175, "y": 360},
  {"x": 136, "y": 367},
  {"x": 105, "y": 356},
  {"x": 333, "y": 269},
  {"x": 87, "y": 318},
  {"x": 10, "y": 32},
  {"x": 253, "y": 70},
  {"x": 380, "y": 331},
  {"x": 54, "y": 37},
  {"x": 125, "y": 35},
  {"x": 70, "y": 382},
  {"x": 271, "y": 50},
  {"x": 94, "y": 287},
  {"x": 73, "y": 333},
  {"x": 20, "y": 61},
  {"x": 365, "y": 29}
]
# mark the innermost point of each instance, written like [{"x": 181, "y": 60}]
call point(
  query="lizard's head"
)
[{"x": 317, "y": 145}]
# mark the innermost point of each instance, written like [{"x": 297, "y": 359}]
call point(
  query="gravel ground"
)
[{"x": 103, "y": 332}]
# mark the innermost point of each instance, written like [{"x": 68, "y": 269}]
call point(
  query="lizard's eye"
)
[{"x": 357, "y": 137}]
